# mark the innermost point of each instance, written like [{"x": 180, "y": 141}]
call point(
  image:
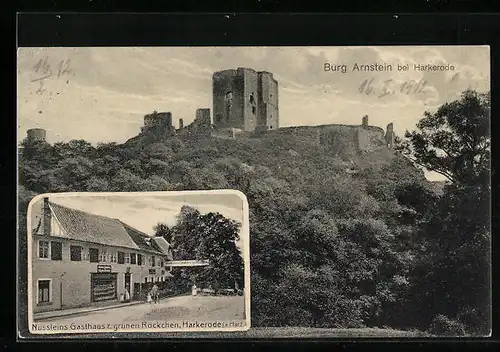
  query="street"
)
[{"x": 200, "y": 308}]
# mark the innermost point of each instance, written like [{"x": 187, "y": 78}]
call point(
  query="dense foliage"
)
[
  {"x": 337, "y": 240},
  {"x": 211, "y": 237},
  {"x": 451, "y": 278}
]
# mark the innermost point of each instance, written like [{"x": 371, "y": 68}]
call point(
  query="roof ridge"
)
[
  {"x": 135, "y": 229},
  {"x": 83, "y": 212}
]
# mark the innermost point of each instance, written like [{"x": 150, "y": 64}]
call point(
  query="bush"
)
[{"x": 444, "y": 326}]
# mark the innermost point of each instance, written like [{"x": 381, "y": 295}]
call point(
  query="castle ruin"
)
[
  {"x": 246, "y": 104},
  {"x": 158, "y": 122},
  {"x": 245, "y": 99},
  {"x": 36, "y": 134}
]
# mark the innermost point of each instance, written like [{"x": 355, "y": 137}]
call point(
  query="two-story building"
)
[{"x": 80, "y": 258}]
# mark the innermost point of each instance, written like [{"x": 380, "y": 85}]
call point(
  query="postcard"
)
[
  {"x": 357, "y": 179},
  {"x": 132, "y": 262}
]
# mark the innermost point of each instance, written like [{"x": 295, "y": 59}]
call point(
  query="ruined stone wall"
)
[
  {"x": 268, "y": 101},
  {"x": 340, "y": 138},
  {"x": 227, "y": 133},
  {"x": 161, "y": 118},
  {"x": 370, "y": 139},
  {"x": 203, "y": 117},
  {"x": 245, "y": 99},
  {"x": 36, "y": 134},
  {"x": 250, "y": 98},
  {"x": 227, "y": 95}
]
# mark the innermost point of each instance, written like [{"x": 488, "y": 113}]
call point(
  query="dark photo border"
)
[{"x": 220, "y": 29}]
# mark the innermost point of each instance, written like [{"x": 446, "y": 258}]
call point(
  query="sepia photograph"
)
[
  {"x": 365, "y": 170},
  {"x": 177, "y": 263}
]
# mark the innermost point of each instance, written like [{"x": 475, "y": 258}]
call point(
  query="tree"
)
[
  {"x": 455, "y": 140},
  {"x": 218, "y": 239},
  {"x": 453, "y": 230},
  {"x": 186, "y": 235},
  {"x": 210, "y": 237},
  {"x": 164, "y": 231}
]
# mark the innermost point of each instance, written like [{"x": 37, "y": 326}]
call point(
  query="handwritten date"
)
[
  {"x": 44, "y": 70},
  {"x": 389, "y": 87}
]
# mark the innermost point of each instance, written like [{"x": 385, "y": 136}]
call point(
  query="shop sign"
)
[{"x": 103, "y": 268}]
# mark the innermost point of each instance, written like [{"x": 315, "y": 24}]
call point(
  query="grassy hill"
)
[{"x": 331, "y": 239}]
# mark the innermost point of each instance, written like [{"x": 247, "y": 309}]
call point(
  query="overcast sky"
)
[
  {"x": 144, "y": 211},
  {"x": 105, "y": 92}
]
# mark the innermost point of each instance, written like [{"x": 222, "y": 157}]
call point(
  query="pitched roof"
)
[
  {"x": 163, "y": 245},
  {"x": 142, "y": 240},
  {"x": 87, "y": 227}
]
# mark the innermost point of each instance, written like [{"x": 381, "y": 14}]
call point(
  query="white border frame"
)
[{"x": 244, "y": 236}]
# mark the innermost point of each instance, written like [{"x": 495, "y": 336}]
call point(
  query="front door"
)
[
  {"x": 127, "y": 282},
  {"x": 137, "y": 290}
]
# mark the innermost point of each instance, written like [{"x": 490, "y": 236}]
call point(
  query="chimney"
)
[
  {"x": 47, "y": 216},
  {"x": 181, "y": 124}
]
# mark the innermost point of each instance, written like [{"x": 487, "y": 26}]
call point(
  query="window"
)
[
  {"x": 75, "y": 253},
  {"x": 121, "y": 257},
  {"x": 127, "y": 258},
  {"x": 139, "y": 259},
  {"x": 145, "y": 280},
  {"x": 43, "y": 249},
  {"x": 43, "y": 291},
  {"x": 253, "y": 110},
  {"x": 251, "y": 98},
  {"x": 133, "y": 258},
  {"x": 270, "y": 95},
  {"x": 113, "y": 257},
  {"x": 161, "y": 262},
  {"x": 56, "y": 250},
  {"x": 103, "y": 256},
  {"x": 94, "y": 255},
  {"x": 153, "y": 260}
]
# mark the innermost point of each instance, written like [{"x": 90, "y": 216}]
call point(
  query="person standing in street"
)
[{"x": 154, "y": 293}]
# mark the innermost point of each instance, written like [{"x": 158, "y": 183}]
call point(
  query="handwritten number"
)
[
  {"x": 44, "y": 66},
  {"x": 60, "y": 68},
  {"x": 366, "y": 87},
  {"x": 422, "y": 84},
  {"x": 38, "y": 65},
  {"x": 40, "y": 90},
  {"x": 66, "y": 69},
  {"x": 385, "y": 89}
]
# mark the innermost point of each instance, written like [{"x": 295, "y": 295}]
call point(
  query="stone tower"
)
[
  {"x": 389, "y": 136},
  {"x": 159, "y": 122},
  {"x": 245, "y": 99},
  {"x": 364, "y": 121},
  {"x": 36, "y": 134}
]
